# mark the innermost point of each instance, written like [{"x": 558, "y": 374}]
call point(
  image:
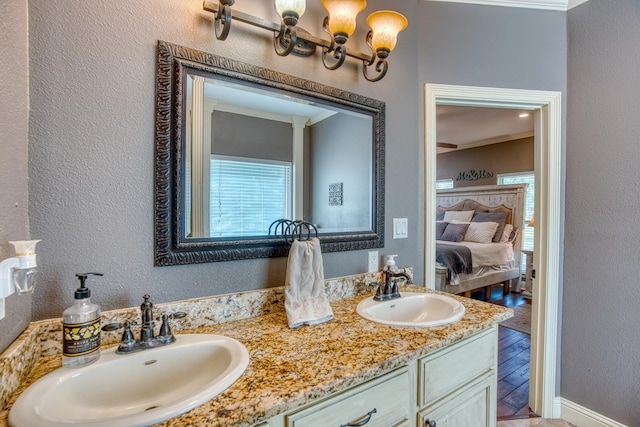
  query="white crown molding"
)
[
  {"x": 563, "y": 5},
  {"x": 574, "y": 3}
]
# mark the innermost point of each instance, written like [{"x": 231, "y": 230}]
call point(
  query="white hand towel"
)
[{"x": 305, "y": 300}]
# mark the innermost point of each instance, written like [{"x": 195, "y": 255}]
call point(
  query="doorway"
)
[{"x": 546, "y": 107}]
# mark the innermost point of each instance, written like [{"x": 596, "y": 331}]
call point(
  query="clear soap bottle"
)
[{"x": 81, "y": 328}]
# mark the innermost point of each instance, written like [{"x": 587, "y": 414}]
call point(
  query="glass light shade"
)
[
  {"x": 385, "y": 25},
  {"x": 342, "y": 14},
  {"x": 296, "y": 6},
  {"x": 24, "y": 280}
]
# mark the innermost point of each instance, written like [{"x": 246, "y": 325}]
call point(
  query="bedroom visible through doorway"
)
[
  {"x": 546, "y": 109},
  {"x": 500, "y": 152}
]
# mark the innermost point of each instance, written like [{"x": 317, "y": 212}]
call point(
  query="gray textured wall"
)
[
  {"x": 236, "y": 135},
  {"x": 506, "y": 157},
  {"x": 91, "y": 166},
  {"x": 601, "y": 344},
  {"x": 14, "y": 133}
]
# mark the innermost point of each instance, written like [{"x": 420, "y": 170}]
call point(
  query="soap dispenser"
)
[
  {"x": 81, "y": 328},
  {"x": 389, "y": 269}
]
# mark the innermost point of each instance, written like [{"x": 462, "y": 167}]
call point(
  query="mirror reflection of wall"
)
[
  {"x": 255, "y": 157},
  {"x": 342, "y": 155}
]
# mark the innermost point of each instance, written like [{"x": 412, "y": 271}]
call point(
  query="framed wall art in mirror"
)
[{"x": 238, "y": 147}]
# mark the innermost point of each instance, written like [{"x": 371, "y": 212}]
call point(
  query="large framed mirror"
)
[{"x": 239, "y": 147}]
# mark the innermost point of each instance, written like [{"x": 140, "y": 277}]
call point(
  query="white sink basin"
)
[
  {"x": 137, "y": 389},
  {"x": 412, "y": 309}
]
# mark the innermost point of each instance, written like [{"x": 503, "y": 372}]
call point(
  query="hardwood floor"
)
[
  {"x": 514, "y": 350},
  {"x": 513, "y": 374}
]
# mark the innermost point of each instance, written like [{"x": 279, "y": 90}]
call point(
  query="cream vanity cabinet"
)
[
  {"x": 453, "y": 387},
  {"x": 385, "y": 401},
  {"x": 457, "y": 385}
]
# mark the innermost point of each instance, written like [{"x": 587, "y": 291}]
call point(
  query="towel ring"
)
[
  {"x": 279, "y": 224},
  {"x": 293, "y": 230}
]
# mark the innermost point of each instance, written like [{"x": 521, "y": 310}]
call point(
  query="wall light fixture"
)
[{"x": 339, "y": 25}]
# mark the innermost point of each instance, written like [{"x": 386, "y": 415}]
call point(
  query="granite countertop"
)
[{"x": 289, "y": 368}]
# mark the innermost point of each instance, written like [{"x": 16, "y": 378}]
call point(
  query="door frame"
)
[{"x": 547, "y": 109}]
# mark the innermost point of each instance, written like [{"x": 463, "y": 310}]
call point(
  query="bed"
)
[{"x": 471, "y": 251}]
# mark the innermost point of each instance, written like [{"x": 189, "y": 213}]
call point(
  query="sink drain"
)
[{"x": 151, "y": 407}]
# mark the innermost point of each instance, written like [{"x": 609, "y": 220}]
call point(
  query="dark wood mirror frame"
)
[{"x": 171, "y": 247}]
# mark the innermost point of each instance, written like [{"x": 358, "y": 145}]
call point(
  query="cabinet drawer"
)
[
  {"x": 448, "y": 369},
  {"x": 389, "y": 395}
]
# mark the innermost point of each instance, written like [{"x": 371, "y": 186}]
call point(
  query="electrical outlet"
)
[{"x": 373, "y": 261}]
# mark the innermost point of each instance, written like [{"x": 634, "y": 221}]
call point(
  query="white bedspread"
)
[{"x": 486, "y": 254}]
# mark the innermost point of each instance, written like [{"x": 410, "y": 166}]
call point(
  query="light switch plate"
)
[{"x": 400, "y": 228}]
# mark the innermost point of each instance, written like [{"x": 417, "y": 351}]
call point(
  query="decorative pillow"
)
[
  {"x": 440, "y": 216},
  {"x": 464, "y": 216},
  {"x": 499, "y": 217},
  {"x": 508, "y": 228},
  {"x": 481, "y": 232},
  {"x": 440, "y": 226},
  {"x": 454, "y": 232}
]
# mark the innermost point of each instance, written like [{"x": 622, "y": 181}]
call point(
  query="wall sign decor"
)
[
  {"x": 335, "y": 194},
  {"x": 474, "y": 175}
]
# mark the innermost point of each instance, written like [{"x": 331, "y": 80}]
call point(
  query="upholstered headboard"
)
[
  {"x": 488, "y": 198},
  {"x": 473, "y": 205}
]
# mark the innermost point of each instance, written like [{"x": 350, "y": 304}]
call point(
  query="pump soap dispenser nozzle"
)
[{"x": 390, "y": 265}]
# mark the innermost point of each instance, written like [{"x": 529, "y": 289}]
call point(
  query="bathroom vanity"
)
[
  {"x": 454, "y": 386},
  {"x": 343, "y": 372}
]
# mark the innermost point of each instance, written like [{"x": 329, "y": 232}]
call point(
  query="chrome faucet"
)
[{"x": 148, "y": 339}]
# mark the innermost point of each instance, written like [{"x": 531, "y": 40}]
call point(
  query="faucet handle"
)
[
  {"x": 379, "y": 290},
  {"x": 115, "y": 326},
  {"x": 165, "y": 329},
  {"x": 127, "y": 341},
  {"x": 176, "y": 315}
]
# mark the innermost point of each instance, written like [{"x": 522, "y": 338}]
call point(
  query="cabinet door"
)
[
  {"x": 452, "y": 367},
  {"x": 473, "y": 406}
]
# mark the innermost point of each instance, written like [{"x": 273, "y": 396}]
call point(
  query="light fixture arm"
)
[
  {"x": 225, "y": 14},
  {"x": 338, "y": 49},
  {"x": 381, "y": 66},
  {"x": 222, "y": 23},
  {"x": 287, "y": 37}
]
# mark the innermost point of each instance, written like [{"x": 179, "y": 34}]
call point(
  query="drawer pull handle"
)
[
  {"x": 428, "y": 423},
  {"x": 363, "y": 421}
]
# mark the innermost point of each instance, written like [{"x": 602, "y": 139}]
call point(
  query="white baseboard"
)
[{"x": 581, "y": 416}]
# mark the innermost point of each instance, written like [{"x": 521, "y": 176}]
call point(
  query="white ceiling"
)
[
  {"x": 529, "y": 4},
  {"x": 469, "y": 127},
  {"x": 258, "y": 102}
]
